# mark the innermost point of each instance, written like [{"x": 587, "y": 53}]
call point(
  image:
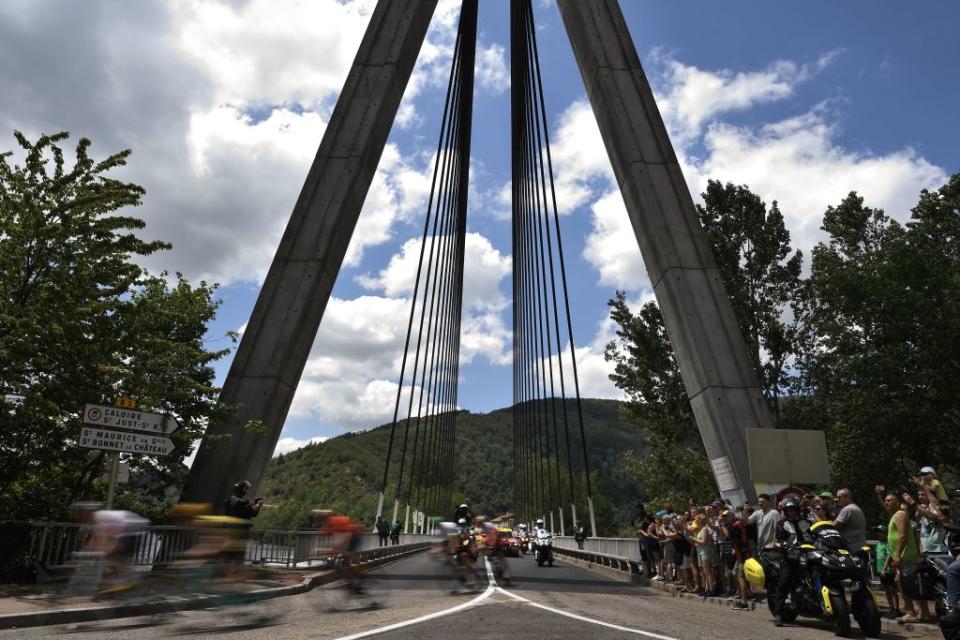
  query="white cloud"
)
[
  {"x": 351, "y": 376},
  {"x": 492, "y": 72},
  {"x": 798, "y": 161},
  {"x": 612, "y": 245},
  {"x": 485, "y": 268},
  {"x": 224, "y": 105},
  {"x": 286, "y": 445},
  {"x": 691, "y": 97},
  {"x": 271, "y": 51}
]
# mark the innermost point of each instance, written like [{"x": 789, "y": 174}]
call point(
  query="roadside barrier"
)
[
  {"x": 624, "y": 553},
  {"x": 53, "y": 544},
  {"x": 635, "y": 569}
]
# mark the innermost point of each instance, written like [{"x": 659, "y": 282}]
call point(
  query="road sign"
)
[
  {"x": 131, "y": 419},
  {"x": 788, "y": 456},
  {"x": 109, "y": 440}
]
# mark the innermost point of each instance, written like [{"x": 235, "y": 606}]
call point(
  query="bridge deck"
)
[{"x": 541, "y": 602}]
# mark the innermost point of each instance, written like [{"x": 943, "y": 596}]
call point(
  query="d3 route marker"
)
[{"x": 131, "y": 419}]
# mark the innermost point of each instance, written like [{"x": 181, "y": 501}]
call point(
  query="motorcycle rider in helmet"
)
[
  {"x": 463, "y": 511},
  {"x": 792, "y": 531}
]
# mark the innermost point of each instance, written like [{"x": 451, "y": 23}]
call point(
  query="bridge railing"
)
[
  {"x": 608, "y": 551},
  {"x": 54, "y": 544},
  {"x": 627, "y": 548}
]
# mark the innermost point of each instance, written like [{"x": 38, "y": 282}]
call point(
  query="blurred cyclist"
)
[{"x": 343, "y": 537}]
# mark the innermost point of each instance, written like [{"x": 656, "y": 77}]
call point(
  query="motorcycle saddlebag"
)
[{"x": 917, "y": 580}]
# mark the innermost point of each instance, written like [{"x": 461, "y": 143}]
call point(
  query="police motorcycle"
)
[
  {"x": 542, "y": 545},
  {"x": 828, "y": 573}
]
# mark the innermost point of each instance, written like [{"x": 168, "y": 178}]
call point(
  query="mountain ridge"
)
[{"x": 344, "y": 472}]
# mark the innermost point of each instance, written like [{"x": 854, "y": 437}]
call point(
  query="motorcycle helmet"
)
[
  {"x": 241, "y": 488},
  {"x": 540, "y": 522},
  {"x": 753, "y": 572},
  {"x": 790, "y": 502}
]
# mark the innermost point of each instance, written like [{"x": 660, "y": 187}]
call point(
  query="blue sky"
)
[{"x": 224, "y": 103}]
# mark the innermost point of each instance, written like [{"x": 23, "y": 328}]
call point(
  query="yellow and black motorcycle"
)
[{"x": 829, "y": 574}]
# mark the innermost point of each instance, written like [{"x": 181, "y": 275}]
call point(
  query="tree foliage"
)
[
  {"x": 866, "y": 346},
  {"x": 762, "y": 276},
  {"x": 882, "y": 359},
  {"x": 81, "y": 321}
]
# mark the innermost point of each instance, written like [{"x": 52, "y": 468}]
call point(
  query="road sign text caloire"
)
[
  {"x": 121, "y": 441},
  {"x": 132, "y": 419}
]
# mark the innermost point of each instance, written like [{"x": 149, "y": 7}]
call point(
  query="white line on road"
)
[
  {"x": 561, "y": 612},
  {"x": 494, "y": 588},
  {"x": 491, "y": 589}
]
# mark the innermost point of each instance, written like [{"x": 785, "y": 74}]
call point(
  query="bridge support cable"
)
[
  {"x": 427, "y": 390},
  {"x": 543, "y": 417}
]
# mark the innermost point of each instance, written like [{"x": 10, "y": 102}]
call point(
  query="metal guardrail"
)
[
  {"x": 633, "y": 567},
  {"x": 627, "y": 548},
  {"x": 624, "y": 553},
  {"x": 52, "y": 544}
]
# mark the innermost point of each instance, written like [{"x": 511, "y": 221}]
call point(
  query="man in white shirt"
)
[{"x": 766, "y": 521}]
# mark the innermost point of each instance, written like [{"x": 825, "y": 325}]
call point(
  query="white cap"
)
[{"x": 927, "y": 470}]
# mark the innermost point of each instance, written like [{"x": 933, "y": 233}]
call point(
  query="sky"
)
[{"x": 224, "y": 103}]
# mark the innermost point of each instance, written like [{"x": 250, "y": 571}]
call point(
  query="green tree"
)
[
  {"x": 762, "y": 276},
  {"x": 81, "y": 321},
  {"x": 675, "y": 466},
  {"x": 882, "y": 362}
]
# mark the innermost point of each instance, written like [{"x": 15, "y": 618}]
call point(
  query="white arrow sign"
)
[
  {"x": 107, "y": 440},
  {"x": 132, "y": 419}
]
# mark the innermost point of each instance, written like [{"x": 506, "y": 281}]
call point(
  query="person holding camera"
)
[{"x": 239, "y": 506}]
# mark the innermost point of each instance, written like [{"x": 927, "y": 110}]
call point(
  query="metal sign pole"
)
[{"x": 112, "y": 484}]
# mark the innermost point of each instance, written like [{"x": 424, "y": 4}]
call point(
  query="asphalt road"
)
[{"x": 563, "y": 601}]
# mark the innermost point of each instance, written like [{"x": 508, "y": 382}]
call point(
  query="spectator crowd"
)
[{"x": 702, "y": 548}]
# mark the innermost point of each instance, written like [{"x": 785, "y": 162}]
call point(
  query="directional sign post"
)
[
  {"x": 131, "y": 419},
  {"x": 143, "y": 432},
  {"x": 125, "y": 442}
]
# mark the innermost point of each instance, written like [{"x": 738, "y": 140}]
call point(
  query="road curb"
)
[
  {"x": 887, "y": 626},
  {"x": 91, "y": 614}
]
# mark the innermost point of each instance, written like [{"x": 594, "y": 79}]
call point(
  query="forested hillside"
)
[{"x": 344, "y": 473}]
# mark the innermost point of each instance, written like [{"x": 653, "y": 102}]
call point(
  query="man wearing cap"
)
[
  {"x": 932, "y": 484},
  {"x": 829, "y": 508}
]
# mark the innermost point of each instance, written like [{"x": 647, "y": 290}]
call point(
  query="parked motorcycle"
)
[
  {"x": 543, "y": 547},
  {"x": 828, "y": 574}
]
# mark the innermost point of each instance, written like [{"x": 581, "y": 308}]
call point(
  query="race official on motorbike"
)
[
  {"x": 463, "y": 511},
  {"x": 791, "y": 532}
]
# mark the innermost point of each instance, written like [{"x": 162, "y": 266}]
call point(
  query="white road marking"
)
[
  {"x": 561, "y": 612},
  {"x": 492, "y": 588}
]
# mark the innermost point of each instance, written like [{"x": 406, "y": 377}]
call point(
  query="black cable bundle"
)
[
  {"x": 431, "y": 389},
  {"x": 540, "y": 386}
]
